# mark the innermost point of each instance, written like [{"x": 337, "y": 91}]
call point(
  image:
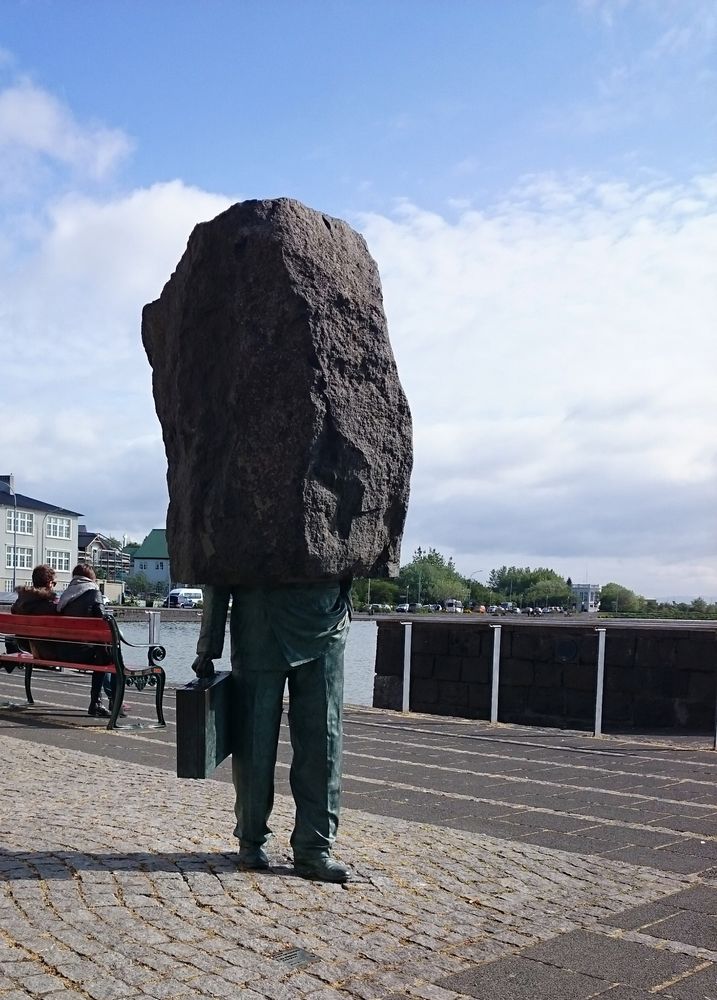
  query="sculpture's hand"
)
[{"x": 203, "y": 667}]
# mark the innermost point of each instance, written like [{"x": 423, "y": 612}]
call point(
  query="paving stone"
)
[
  {"x": 696, "y": 848},
  {"x": 700, "y": 898},
  {"x": 628, "y": 962},
  {"x": 702, "y": 985},
  {"x": 621, "y": 992},
  {"x": 522, "y": 979},
  {"x": 547, "y": 821},
  {"x": 642, "y": 916},
  {"x": 661, "y": 860},
  {"x": 42, "y": 984},
  {"x": 65, "y": 994},
  {"x": 687, "y": 927}
]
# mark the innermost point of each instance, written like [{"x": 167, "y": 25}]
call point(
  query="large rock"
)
[{"x": 287, "y": 432}]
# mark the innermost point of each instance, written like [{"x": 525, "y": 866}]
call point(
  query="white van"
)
[
  {"x": 453, "y": 606},
  {"x": 184, "y": 597}
]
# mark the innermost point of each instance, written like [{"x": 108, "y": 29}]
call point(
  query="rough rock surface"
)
[{"x": 287, "y": 432}]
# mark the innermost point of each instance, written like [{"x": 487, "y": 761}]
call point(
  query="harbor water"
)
[{"x": 180, "y": 641}]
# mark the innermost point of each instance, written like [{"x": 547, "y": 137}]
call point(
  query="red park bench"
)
[{"x": 85, "y": 632}]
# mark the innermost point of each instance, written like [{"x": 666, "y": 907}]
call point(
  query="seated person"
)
[
  {"x": 39, "y": 599},
  {"x": 82, "y": 599}
]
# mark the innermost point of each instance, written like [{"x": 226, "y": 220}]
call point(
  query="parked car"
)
[
  {"x": 453, "y": 606},
  {"x": 402, "y": 609},
  {"x": 184, "y": 597}
]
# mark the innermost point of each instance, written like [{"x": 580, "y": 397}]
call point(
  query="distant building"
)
[
  {"x": 97, "y": 551},
  {"x": 152, "y": 558},
  {"x": 130, "y": 550},
  {"x": 32, "y": 532},
  {"x": 586, "y": 596}
]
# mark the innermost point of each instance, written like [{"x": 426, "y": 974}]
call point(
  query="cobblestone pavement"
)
[{"x": 489, "y": 862}]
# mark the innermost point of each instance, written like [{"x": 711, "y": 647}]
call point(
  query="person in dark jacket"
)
[
  {"x": 39, "y": 599},
  {"x": 82, "y": 599}
]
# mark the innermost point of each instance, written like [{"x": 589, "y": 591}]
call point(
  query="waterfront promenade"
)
[{"x": 494, "y": 862}]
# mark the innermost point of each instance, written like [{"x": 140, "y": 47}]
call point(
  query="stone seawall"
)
[{"x": 656, "y": 674}]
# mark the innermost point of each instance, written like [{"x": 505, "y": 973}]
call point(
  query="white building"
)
[
  {"x": 33, "y": 532},
  {"x": 586, "y": 596},
  {"x": 96, "y": 550}
]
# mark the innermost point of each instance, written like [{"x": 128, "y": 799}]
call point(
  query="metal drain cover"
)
[{"x": 294, "y": 958}]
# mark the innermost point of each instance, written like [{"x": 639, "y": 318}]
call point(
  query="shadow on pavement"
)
[{"x": 64, "y": 865}]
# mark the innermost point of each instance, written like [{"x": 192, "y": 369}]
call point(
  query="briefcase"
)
[{"x": 205, "y": 725}]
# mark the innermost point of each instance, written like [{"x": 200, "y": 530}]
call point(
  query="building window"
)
[
  {"x": 143, "y": 565},
  {"x": 59, "y": 559},
  {"x": 58, "y": 527},
  {"x": 160, "y": 565},
  {"x": 22, "y": 557},
  {"x": 20, "y": 522}
]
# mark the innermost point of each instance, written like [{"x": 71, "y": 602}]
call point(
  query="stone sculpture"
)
[
  {"x": 287, "y": 433},
  {"x": 288, "y": 441}
]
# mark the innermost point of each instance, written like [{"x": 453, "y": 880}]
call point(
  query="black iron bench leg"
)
[
  {"x": 117, "y": 700},
  {"x": 28, "y": 684},
  {"x": 158, "y": 697}
]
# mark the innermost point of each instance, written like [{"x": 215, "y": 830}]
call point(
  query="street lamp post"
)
[
  {"x": 14, "y": 540},
  {"x": 472, "y": 577}
]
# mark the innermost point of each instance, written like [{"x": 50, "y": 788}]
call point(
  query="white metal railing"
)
[
  {"x": 599, "y": 681},
  {"x": 153, "y": 624},
  {"x": 406, "y": 692},
  {"x": 495, "y": 673}
]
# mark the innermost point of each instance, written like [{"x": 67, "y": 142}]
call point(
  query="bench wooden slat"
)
[
  {"x": 60, "y": 627},
  {"x": 27, "y": 659}
]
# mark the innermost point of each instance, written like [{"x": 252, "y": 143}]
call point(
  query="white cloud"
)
[
  {"x": 79, "y": 426},
  {"x": 34, "y": 123},
  {"x": 556, "y": 348},
  {"x": 559, "y": 357},
  {"x": 657, "y": 66}
]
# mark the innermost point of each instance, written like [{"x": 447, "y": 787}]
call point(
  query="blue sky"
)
[
  {"x": 536, "y": 180},
  {"x": 360, "y": 103}
]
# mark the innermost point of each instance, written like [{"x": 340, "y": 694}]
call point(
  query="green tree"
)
[
  {"x": 620, "y": 600},
  {"x": 382, "y": 592},
  {"x": 479, "y": 592},
  {"x": 548, "y": 592},
  {"x": 138, "y": 583},
  {"x": 431, "y": 578},
  {"x": 516, "y": 583}
]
